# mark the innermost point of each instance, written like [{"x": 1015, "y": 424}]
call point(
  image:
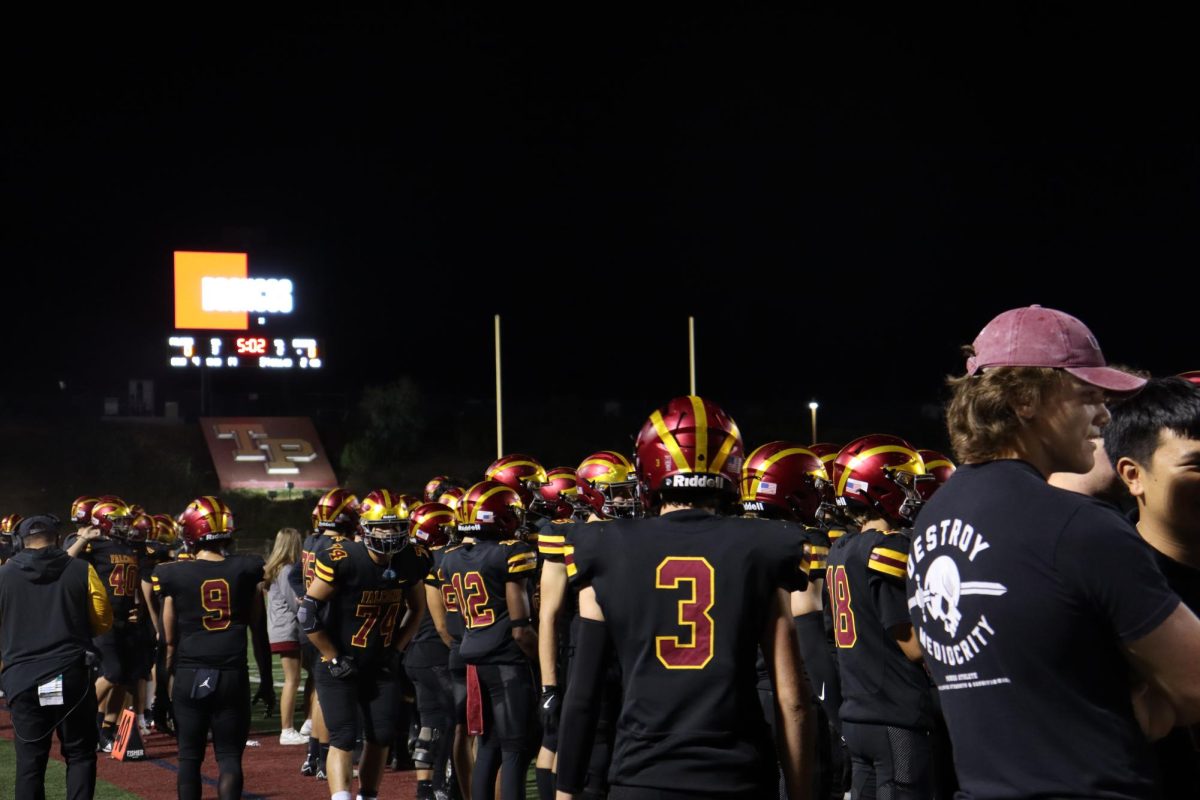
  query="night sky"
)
[{"x": 841, "y": 198}]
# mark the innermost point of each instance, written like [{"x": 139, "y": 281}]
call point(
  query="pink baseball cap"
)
[{"x": 1044, "y": 337}]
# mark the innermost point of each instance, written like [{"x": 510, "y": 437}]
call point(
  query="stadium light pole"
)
[
  {"x": 812, "y": 407},
  {"x": 499, "y": 408},
  {"x": 692, "y": 353}
]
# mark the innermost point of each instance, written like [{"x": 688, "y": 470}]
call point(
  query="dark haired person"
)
[
  {"x": 1154, "y": 438},
  {"x": 51, "y": 605},
  {"x": 207, "y": 604},
  {"x": 1037, "y": 608}
]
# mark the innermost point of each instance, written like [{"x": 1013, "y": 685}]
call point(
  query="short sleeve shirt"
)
[{"x": 1022, "y": 595}]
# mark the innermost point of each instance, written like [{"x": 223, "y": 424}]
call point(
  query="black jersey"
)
[
  {"x": 867, "y": 598},
  {"x": 6, "y": 548},
  {"x": 427, "y": 648},
  {"x": 213, "y": 602},
  {"x": 368, "y": 601},
  {"x": 117, "y": 565},
  {"x": 815, "y": 543},
  {"x": 686, "y": 598},
  {"x": 479, "y": 573},
  {"x": 1178, "y": 754},
  {"x": 150, "y": 555},
  {"x": 314, "y": 545}
]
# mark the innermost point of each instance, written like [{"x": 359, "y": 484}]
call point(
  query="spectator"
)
[{"x": 282, "y": 627}]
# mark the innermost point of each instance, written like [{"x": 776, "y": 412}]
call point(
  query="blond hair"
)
[{"x": 286, "y": 551}]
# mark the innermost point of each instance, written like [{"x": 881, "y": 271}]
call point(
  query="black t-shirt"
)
[
  {"x": 150, "y": 555},
  {"x": 368, "y": 599},
  {"x": 1178, "y": 754},
  {"x": 117, "y": 566},
  {"x": 685, "y": 597},
  {"x": 865, "y": 584},
  {"x": 480, "y": 573},
  {"x": 213, "y": 601},
  {"x": 1022, "y": 596}
]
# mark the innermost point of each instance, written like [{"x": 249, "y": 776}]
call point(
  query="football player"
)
[
  {"x": 105, "y": 545},
  {"x": 8, "y": 526},
  {"x": 334, "y": 520},
  {"x": 207, "y": 604},
  {"x": 687, "y": 597},
  {"x": 489, "y": 574},
  {"x": 425, "y": 661},
  {"x": 887, "y": 708},
  {"x": 606, "y": 488},
  {"x": 364, "y": 605},
  {"x": 786, "y": 481}
]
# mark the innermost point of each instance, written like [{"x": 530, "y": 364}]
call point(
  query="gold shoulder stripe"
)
[
  {"x": 547, "y": 538},
  {"x": 895, "y": 555},
  {"x": 526, "y": 567},
  {"x": 886, "y": 569}
]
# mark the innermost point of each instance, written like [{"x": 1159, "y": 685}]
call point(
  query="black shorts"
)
[
  {"x": 375, "y": 692},
  {"x": 121, "y": 654},
  {"x": 226, "y": 712}
]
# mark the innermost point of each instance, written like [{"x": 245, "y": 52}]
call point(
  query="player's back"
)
[
  {"x": 479, "y": 573},
  {"x": 686, "y": 598},
  {"x": 212, "y": 604}
]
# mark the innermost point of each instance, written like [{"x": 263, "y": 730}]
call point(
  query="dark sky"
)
[{"x": 841, "y": 198}]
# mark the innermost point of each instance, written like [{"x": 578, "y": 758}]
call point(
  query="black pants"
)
[
  {"x": 506, "y": 745},
  {"x": 889, "y": 763},
  {"x": 226, "y": 712},
  {"x": 435, "y": 704},
  {"x": 75, "y": 721}
]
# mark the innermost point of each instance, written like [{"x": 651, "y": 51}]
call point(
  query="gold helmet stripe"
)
[
  {"x": 756, "y": 479},
  {"x": 668, "y": 439},
  {"x": 940, "y": 462},
  {"x": 701, "y": 415}
]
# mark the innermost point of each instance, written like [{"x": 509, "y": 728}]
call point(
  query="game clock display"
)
[{"x": 230, "y": 351}]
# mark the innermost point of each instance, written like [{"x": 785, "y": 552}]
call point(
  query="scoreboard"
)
[
  {"x": 230, "y": 351},
  {"x": 222, "y": 313}
]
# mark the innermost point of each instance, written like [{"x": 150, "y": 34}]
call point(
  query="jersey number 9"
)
[{"x": 214, "y": 599}]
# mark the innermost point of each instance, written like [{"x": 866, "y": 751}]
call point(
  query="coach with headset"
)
[{"x": 51, "y": 605}]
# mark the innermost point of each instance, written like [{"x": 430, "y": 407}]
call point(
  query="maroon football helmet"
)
[
  {"x": 337, "y": 510},
  {"x": 521, "y": 473},
  {"x": 490, "y": 509},
  {"x": 880, "y": 472},
  {"x": 554, "y": 498},
  {"x": 206, "y": 519},
  {"x": 81, "y": 509},
  {"x": 438, "y": 485},
  {"x": 608, "y": 486},
  {"x": 688, "y": 445},
  {"x": 939, "y": 467},
  {"x": 431, "y": 524},
  {"x": 783, "y": 479}
]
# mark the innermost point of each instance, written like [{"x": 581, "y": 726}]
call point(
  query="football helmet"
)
[
  {"x": 337, "y": 510},
  {"x": 438, "y": 485},
  {"x": 553, "y": 498},
  {"x": 1191, "y": 375},
  {"x": 608, "y": 486},
  {"x": 112, "y": 517},
  {"x": 783, "y": 479},
  {"x": 490, "y": 509},
  {"x": 880, "y": 472},
  {"x": 383, "y": 522},
  {"x": 9, "y": 523},
  {"x": 431, "y": 524},
  {"x": 452, "y": 497},
  {"x": 521, "y": 473},
  {"x": 81, "y": 509},
  {"x": 939, "y": 468},
  {"x": 141, "y": 529},
  {"x": 166, "y": 529},
  {"x": 206, "y": 519},
  {"x": 688, "y": 445}
]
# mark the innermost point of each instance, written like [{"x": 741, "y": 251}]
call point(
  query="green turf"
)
[{"x": 56, "y": 776}]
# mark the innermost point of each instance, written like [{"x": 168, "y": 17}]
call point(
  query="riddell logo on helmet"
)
[
  {"x": 470, "y": 527},
  {"x": 754, "y": 505},
  {"x": 692, "y": 481}
]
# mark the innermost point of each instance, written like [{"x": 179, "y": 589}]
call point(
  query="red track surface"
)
[{"x": 271, "y": 771}]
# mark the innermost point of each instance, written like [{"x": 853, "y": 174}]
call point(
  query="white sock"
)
[
  {"x": 368, "y": 797},
  {"x": 340, "y": 796}
]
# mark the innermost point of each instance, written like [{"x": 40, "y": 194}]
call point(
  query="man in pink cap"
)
[{"x": 1038, "y": 608}]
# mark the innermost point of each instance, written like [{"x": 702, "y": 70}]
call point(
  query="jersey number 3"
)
[
  {"x": 844, "y": 632},
  {"x": 673, "y": 573}
]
